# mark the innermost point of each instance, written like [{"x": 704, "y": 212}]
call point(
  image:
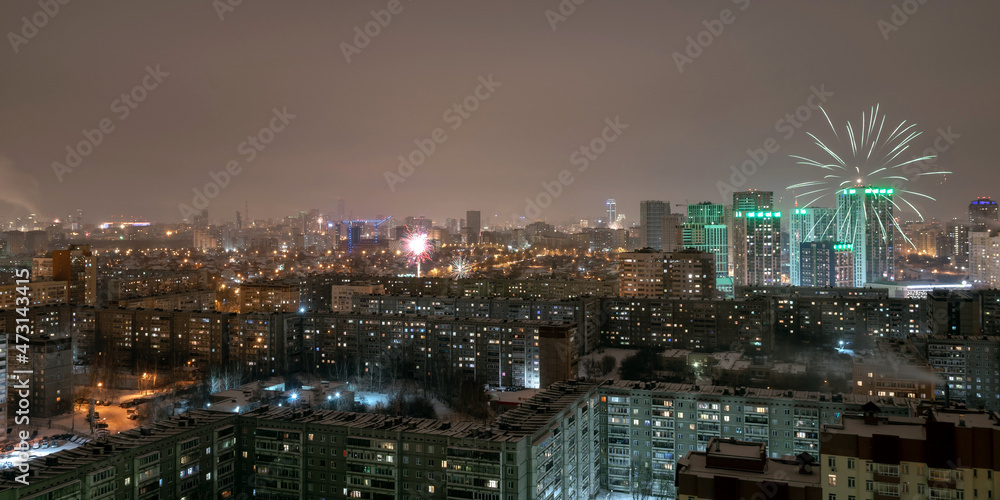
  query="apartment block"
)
[
  {"x": 940, "y": 454},
  {"x": 967, "y": 369},
  {"x": 584, "y": 311},
  {"x": 571, "y": 441},
  {"x": 40, "y": 293},
  {"x": 895, "y": 368},
  {"x": 268, "y": 298},
  {"x": 547, "y": 448},
  {"x": 503, "y": 352},
  {"x": 652, "y": 425},
  {"x": 688, "y": 324},
  {"x": 341, "y": 296}
]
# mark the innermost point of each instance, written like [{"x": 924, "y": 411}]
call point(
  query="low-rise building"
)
[
  {"x": 729, "y": 468},
  {"x": 894, "y": 368},
  {"x": 968, "y": 369}
]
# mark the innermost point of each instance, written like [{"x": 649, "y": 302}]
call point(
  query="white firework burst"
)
[
  {"x": 461, "y": 268},
  {"x": 874, "y": 157}
]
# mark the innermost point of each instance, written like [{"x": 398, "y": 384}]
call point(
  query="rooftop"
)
[
  {"x": 65, "y": 461},
  {"x": 910, "y": 427},
  {"x": 748, "y": 461},
  {"x": 718, "y": 390}
]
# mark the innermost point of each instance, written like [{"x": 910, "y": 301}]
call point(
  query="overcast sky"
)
[{"x": 557, "y": 79}]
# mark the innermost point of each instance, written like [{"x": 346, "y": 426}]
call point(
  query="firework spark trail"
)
[
  {"x": 871, "y": 160},
  {"x": 461, "y": 268}
]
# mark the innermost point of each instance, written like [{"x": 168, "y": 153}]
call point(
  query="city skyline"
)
[
  {"x": 565, "y": 249},
  {"x": 680, "y": 125}
]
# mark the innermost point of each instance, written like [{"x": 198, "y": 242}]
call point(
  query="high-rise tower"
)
[
  {"x": 756, "y": 249},
  {"x": 755, "y": 239},
  {"x": 752, "y": 200},
  {"x": 706, "y": 231},
  {"x": 472, "y": 226},
  {"x": 983, "y": 213},
  {"x": 806, "y": 225},
  {"x": 651, "y": 221},
  {"x": 865, "y": 221}
]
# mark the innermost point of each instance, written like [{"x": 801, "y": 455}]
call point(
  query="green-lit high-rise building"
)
[
  {"x": 756, "y": 248},
  {"x": 706, "y": 231},
  {"x": 755, "y": 239},
  {"x": 865, "y": 220},
  {"x": 806, "y": 225}
]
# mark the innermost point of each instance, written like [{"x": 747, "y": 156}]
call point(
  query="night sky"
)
[{"x": 220, "y": 81}]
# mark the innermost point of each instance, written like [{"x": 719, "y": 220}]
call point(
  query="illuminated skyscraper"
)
[
  {"x": 865, "y": 221},
  {"x": 706, "y": 231},
  {"x": 752, "y": 200},
  {"x": 957, "y": 235},
  {"x": 984, "y": 258},
  {"x": 806, "y": 225},
  {"x": 756, "y": 250},
  {"x": 753, "y": 258},
  {"x": 651, "y": 221},
  {"x": 612, "y": 212},
  {"x": 983, "y": 213}
]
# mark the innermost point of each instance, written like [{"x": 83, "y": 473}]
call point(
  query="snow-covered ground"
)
[{"x": 371, "y": 399}]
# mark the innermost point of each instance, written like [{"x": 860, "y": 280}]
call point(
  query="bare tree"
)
[
  {"x": 645, "y": 484},
  {"x": 226, "y": 377}
]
